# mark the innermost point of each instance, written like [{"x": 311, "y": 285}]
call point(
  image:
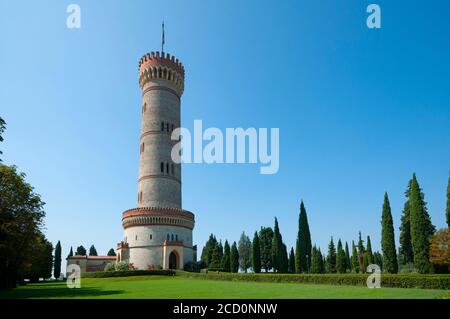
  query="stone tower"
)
[{"x": 158, "y": 232}]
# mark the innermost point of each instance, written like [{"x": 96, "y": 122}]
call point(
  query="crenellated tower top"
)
[{"x": 159, "y": 66}]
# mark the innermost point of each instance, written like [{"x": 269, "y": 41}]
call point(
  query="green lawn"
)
[{"x": 178, "y": 287}]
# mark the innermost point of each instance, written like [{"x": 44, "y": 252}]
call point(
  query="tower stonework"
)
[{"x": 158, "y": 233}]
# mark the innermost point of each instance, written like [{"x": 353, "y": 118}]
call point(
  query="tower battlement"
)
[{"x": 156, "y": 65}]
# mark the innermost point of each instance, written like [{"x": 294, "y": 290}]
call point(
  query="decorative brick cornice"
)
[{"x": 143, "y": 216}]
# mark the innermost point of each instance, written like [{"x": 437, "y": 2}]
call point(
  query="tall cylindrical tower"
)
[{"x": 158, "y": 232}]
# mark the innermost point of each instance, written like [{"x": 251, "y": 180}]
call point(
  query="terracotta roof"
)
[{"x": 93, "y": 257}]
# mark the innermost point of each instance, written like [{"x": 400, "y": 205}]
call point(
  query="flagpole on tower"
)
[{"x": 162, "y": 40}]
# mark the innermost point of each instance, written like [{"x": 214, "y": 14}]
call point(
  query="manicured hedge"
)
[
  {"x": 127, "y": 273},
  {"x": 387, "y": 280}
]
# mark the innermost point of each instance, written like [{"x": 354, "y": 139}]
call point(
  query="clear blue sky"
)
[{"x": 359, "y": 110}]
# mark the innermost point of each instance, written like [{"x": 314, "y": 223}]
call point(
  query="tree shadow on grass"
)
[{"x": 59, "y": 292}]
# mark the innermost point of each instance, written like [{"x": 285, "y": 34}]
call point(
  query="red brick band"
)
[{"x": 161, "y": 88}]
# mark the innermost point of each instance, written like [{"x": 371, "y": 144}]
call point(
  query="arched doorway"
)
[{"x": 173, "y": 260}]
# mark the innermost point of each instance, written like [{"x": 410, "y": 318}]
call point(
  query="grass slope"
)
[{"x": 177, "y": 287}]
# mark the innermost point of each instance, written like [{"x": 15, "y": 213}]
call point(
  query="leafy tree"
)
[
  {"x": 369, "y": 253},
  {"x": 256, "y": 254},
  {"x": 245, "y": 252},
  {"x": 340, "y": 259},
  {"x": 303, "y": 242},
  {"x": 81, "y": 251},
  {"x": 331, "y": 258},
  {"x": 216, "y": 259},
  {"x": 208, "y": 249},
  {"x": 92, "y": 251},
  {"x": 265, "y": 241},
  {"x": 421, "y": 229},
  {"x": 234, "y": 258},
  {"x": 21, "y": 221},
  {"x": 348, "y": 263},
  {"x": 405, "y": 251},
  {"x": 291, "y": 268},
  {"x": 355, "y": 262},
  {"x": 448, "y": 203},
  {"x": 111, "y": 252},
  {"x": 440, "y": 249},
  {"x": 40, "y": 263},
  {"x": 226, "y": 261},
  {"x": 70, "y": 253},
  {"x": 387, "y": 238},
  {"x": 57, "y": 266},
  {"x": 315, "y": 261}
]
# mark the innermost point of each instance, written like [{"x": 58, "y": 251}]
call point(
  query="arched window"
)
[
  {"x": 168, "y": 127},
  {"x": 168, "y": 237},
  {"x": 162, "y": 126},
  {"x": 167, "y": 168},
  {"x": 151, "y": 236},
  {"x": 159, "y": 73},
  {"x": 176, "y": 237},
  {"x": 162, "y": 167},
  {"x": 173, "y": 169},
  {"x": 136, "y": 237},
  {"x": 144, "y": 107},
  {"x": 172, "y": 127},
  {"x": 172, "y": 237}
]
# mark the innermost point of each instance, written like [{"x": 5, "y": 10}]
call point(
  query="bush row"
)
[
  {"x": 387, "y": 280},
  {"x": 127, "y": 273}
]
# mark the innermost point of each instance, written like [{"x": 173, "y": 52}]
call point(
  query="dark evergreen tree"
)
[
  {"x": 321, "y": 259},
  {"x": 331, "y": 258},
  {"x": 315, "y": 261},
  {"x": 284, "y": 260},
  {"x": 256, "y": 254},
  {"x": 388, "y": 239},
  {"x": 348, "y": 263},
  {"x": 226, "y": 260},
  {"x": 81, "y": 251},
  {"x": 277, "y": 245},
  {"x": 111, "y": 252},
  {"x": 70, "y": 253},
  {"x": 57, "y": 262},
  {"x": 340, "y": 259},
  {"x": 216, "y": 259},
  {"x": 355, "y": 261},
  {"x": 92, "y": 251},
  {"x": 378, "y": 259},
  {"x": 369, "y": 253},
  {"x": 220, "y": 251},
  {"x": 208, "y": 249},
  {"x": 303, "y": 242},
  {"x": 291, "y": 268},
  {"x": 405, "y": 251},
  {"x": 265, "y": 240},
  {"x": 234, "y": 258},
  {"x": 421, "y": 229}
]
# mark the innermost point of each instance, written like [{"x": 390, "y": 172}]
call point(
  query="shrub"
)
[
  {"x": 110, "y": 267},
  {"x": 387, "y": 280},
  {"x": 127, "y": 273}
]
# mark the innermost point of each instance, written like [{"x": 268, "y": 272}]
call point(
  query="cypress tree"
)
[
  {"x": 208, "y": 249},
  {"x": 303, "y": 241},
  {"x": 226, "y": 260},
  {"x": 369, "y": 253},
  {"x": 361, "y": 253},
  {"x": 348, "y": 264},
  {"x": 57, "y": 264},
  {"x": 265, "y": 240},
  {"x": 220, "y": 251},
  {"x": 256, "y": 254},
  {"x": 421, "y": 229},
  {"x": 448, "y": 203},
  {"x": 405, "y": 251},
  {"x": 297, "y": 258},
  {"x": 111, "y": 252},
  {"x": 340, "y": 259},
  {"x": 81, "y": 251},
  {"x": 284, "y": 262},
  {"x": 216, "y": 259},
  {"x": 355, "y": 262},
  {"x": 234, "y": 258},
  {"x": 70, "y": 253},
  {"x": 277, "y": 245},
  {"x": 92, "y": 251},
  {"x": 291, "y": 261},
  {"x": 331, "y": 258},
  {"x": 388, "y": 239},
  {"x": 378, "y": 259},
  {"x": 315, "y": 262}
]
